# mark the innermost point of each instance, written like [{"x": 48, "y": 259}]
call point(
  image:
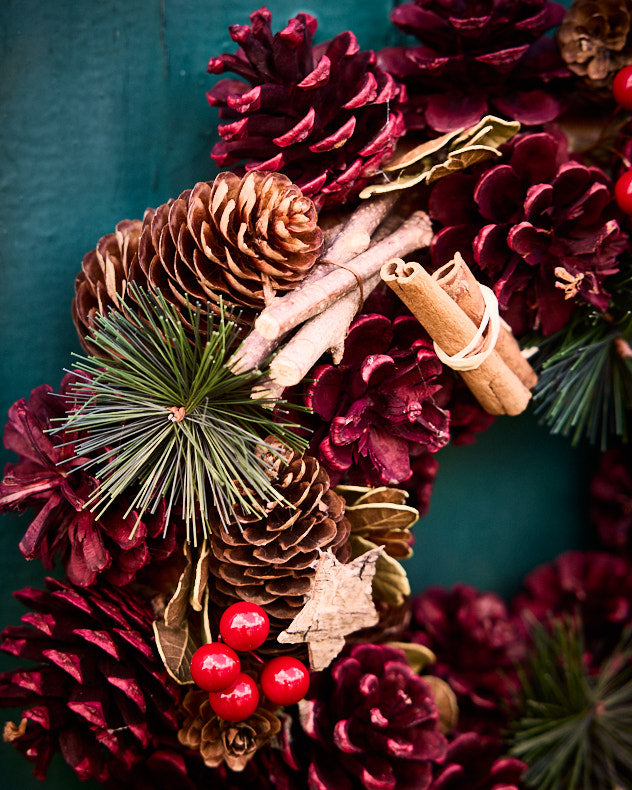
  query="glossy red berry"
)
[
  {"x": 238, "y": 701},
  {"x": 285, "y": 680},
  {"x": 623, "y": 192},
  {"x": 215, "y": 666},
  {"x": 244, "y": 626},
  {"x": 622, "y": 88}
]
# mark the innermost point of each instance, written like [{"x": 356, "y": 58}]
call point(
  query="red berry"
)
[
  {"x": 238, "y": 701},
  {"x": 622, "y": 88},
  {"x": 623, "y": 192},
  {"x": 215, "y": 666},
  {"x": 285, "y": 680},
  {"x": 244, "y": 626}
]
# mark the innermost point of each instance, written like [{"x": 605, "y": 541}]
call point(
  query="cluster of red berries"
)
[
  {"x": 622, "y": 92},
  {"x": 216, "y": 668}
]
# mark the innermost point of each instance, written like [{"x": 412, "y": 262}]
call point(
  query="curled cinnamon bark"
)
[{"x": 497, "y": 388}]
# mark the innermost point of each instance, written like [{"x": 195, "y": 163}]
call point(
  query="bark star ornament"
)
[{"x": 340, "y": 603}]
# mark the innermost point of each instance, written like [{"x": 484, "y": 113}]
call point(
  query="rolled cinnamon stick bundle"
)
[
  {"x": 457, "y": 280},
  {"x": 497, "y": 388}
]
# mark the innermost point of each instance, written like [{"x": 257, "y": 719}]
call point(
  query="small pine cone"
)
[
  {"x": 270, "y": 561},
  {"x": 327, "y": 116},
  {"x": 105, "y": 272},
  {"x": 594, "y": 39},
  {"x": 218, "y": 741}
]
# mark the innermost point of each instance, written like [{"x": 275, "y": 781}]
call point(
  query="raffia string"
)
[
  {"x": 351, "y": 271},
  {"x": 467, "y": 358}
]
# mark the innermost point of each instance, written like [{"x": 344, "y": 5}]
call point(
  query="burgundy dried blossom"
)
[
  {"x": 477, "y": 644},
  {"x": 594, "y": 586},
  {"x": 383, "y": 403},
  {"x": 326, "y": 116},
  {"x": 542, "y": 230},
  {"x": 98, "y": 692},
  {"x": 477, "y": 762},
  {"x": 49, "y": 480},
  {"x": 611, "y": 499},
  {"x": 475, "y": 57},
  {"x": 374, "y": 723}
]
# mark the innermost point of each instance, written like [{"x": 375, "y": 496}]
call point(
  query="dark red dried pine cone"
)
[
  {"x": 611, "y": 499},
  {"x": 383, "y": 404},
  {"x": 48, "y": 480},
  {"x": 271, "y": 560},
  {"x": 98, "y": 692},
  {"x": 543, "y": 231},
  {"x": 374, "y": 723},
  {"x": 477, "y": 644},
  {"x": 477, "y": 57},
  {"x": 326, "y": 116},
  {"x": 478, "y": 762},
  {"x": 592, "y": 586},
  {"x": 102, "y": 281}
]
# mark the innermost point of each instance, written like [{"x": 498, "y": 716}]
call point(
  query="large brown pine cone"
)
[
  {"x": 270, "y": 561},
  {"x": 238, "y": 239},
  {"x": 105, "y": 272},
  {"x": 594, "y": 39}
]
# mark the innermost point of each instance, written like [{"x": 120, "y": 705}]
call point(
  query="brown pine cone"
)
[
  {"x": 105, "y": 272},
  {"x": 270, "y": 561},
  {"x": 242, "y": 239},
  {"x": 594, "y": 39},
  {"x": 218, "y": 741}
]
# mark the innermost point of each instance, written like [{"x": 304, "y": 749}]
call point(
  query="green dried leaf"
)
[
  {"x": 390, "y": 583},
  {"x": 418, "y": 656},
  {"x": 443, "y": 155},
  {"x": 176, "y": 648}
]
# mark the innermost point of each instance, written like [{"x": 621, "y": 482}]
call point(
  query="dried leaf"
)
[
  {"x": 418, "y": 656},
  {"x": 445, "y": 700},
  {"x": 176, "y": 648},
  {"x": 390, "y": 583},
  {"x": 176, "y": 608},
  {"x": 340, "y": 603},
  {"x": 380, "y": 515},
  {"x": 200, "y": 581},
  {"x": 445, "y": 154}
]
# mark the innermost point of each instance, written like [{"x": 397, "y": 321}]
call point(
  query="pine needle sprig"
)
[
  {"x": 576, "y": 731},
  {"x": 163, "y": 418},
  {"x": 585, "y": 375}
]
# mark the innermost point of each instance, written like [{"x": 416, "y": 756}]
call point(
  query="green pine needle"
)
[
  {"x": 585, "y": 385},
  {"x": 576, "y": 731},
  {"x": 207, "y": 462}
]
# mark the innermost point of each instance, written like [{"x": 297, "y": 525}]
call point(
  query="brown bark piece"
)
[
  {"x": 493, "y": 384},
  {"x": 339, "y": 604}
]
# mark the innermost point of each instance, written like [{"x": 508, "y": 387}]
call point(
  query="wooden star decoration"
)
[{"x": 340, "y": 603}]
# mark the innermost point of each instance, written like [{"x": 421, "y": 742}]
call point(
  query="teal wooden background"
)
[{"x": 103, "y": 113}]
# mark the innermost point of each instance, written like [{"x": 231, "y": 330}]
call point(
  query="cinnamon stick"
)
[
  {"x": 302, "y": 304},
  {"x": 497, "y": 388},
  {"x": 457, "y": 280}
]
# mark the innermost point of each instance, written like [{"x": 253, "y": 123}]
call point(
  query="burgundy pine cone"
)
[
  {"x": 477, "y": 57},
  {"x": 477, "y": 644},
  {"x": 382, "y": 405},
  {"x": 98, "y": 692},
  {"x": 541, "y": 229},
  {"x": 327, "y": 116},
  {"x": 611, "y": 499},
  {"x": 477, "y": 762},
  {"x": 45, "y": 479},
  {"x": 374, "y": 724}
]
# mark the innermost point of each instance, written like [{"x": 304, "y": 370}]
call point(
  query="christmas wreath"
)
[{"x": 400, "y": 247}]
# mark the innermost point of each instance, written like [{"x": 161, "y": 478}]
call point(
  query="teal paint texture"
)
[{"x": 103, "y": 113}]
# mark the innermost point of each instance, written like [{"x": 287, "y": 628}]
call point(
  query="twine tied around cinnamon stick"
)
[
  {"x": 494, "y": 382},
  {"x": 468, "y": 358}
]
